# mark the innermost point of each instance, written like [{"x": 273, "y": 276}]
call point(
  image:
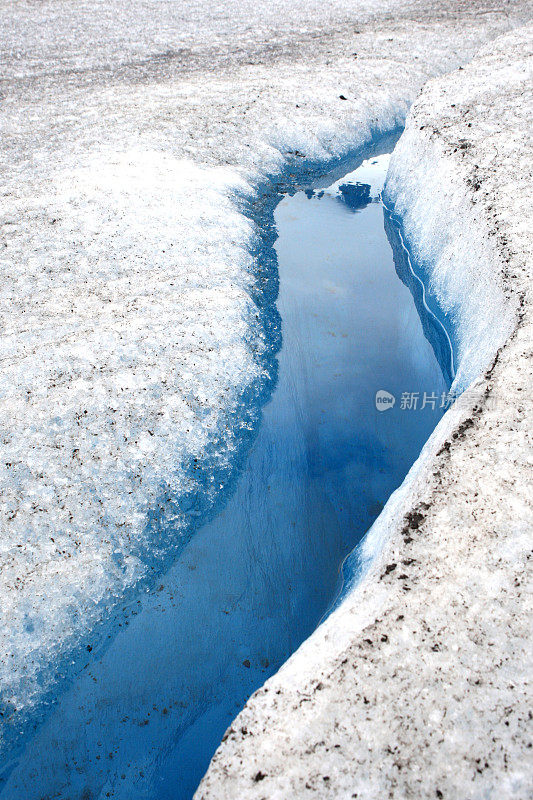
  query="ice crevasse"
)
[
  {"x": 131, "y": 338},
  {"x": 136, "y": 341}
]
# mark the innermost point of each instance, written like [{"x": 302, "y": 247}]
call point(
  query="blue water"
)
[{"x": 142, "y": 720}]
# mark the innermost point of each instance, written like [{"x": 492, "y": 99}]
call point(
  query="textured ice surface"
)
[
  {"x": 129, "y": 136},
  {"x": 127, "y": 359}
]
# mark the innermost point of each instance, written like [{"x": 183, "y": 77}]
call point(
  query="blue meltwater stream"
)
[{"x": 142, "y": 720}]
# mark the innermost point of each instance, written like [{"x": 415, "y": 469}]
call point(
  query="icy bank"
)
[
  {"x": 418, "y": 685},
  {"x": 450, "y": 238},
  {"x": 132, "y": 144}
]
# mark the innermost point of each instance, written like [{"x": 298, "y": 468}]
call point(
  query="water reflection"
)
[{"x": 355, "y": 196}]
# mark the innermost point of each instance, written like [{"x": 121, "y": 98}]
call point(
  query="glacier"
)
[{"x": 134, "y": 157}]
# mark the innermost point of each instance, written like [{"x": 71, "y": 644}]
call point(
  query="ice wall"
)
[
  {"x": 126, "y": 352},
  {"x": 449, "y": 238}
]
